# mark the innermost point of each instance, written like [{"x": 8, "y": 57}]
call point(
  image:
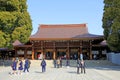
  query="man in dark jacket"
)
[
  {"x": 43, "y": 64},
  {"x": 78, "y": 65}
]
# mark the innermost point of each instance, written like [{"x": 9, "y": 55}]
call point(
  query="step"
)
[{"x": 73, "y": 63}]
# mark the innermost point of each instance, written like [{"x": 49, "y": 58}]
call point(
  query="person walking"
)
[
  {"x": 29, "y": 62},
  {"x": 14, "y": 66},
  {"x": 26, "y": 65},
  {"x": 82, "y": 66},
  {"x": 43, "y": 64},
  {"x": 20, "y": 68},
  {"x": 78, "y": 65}
]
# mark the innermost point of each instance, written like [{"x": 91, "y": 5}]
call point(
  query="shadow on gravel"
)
[
  {"x": 72, "y": 72},
  {"x": 38, "y": 72}
]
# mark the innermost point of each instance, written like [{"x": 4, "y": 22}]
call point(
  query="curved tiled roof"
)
[
  {"x": 89, "y": 36},
  {"x": 17, "y": 42},
  {"x": 66, "y": 31}
]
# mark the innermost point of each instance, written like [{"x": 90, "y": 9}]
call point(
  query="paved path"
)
[{"x": 96, "y": 73}]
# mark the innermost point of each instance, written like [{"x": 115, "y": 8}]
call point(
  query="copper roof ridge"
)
[{"x": 62, "y": 25}]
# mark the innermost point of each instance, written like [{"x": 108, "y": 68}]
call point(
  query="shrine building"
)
[{"x": 66, "y": 41}]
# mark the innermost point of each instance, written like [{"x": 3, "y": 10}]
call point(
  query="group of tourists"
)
[
  {"x": 18, "y": 66},
  {"x": 57, "y": 63},
  {"x": 80, "y": 64}
]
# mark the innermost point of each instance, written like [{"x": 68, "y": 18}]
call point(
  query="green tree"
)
[
  {"x": 15, "y": 22},
  {"x": 2, "y": 39},
  {"x": 111, "y": 23}
]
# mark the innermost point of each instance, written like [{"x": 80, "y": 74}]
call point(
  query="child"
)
[
  {"x": 14, "y": 66},
  {"x": 20, "y": 68}
]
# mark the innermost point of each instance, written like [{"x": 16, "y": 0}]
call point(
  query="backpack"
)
[{"x": 43, "y": 63}]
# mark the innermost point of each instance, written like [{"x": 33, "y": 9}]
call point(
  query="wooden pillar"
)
[
  {"x": 33, "y": 53},
  {"x": 68, "y": 51},
  {"x": 80, "y": 49},
  {"x": 54, "y": 52},
  {"x": 15, "y": 51},
  {"x": 43, "y": 53},
  {"x": 78, "y": 52},
  {"x": 90, "y": 51},
  {"x": 25, "y": 53},
  {"x": 42, "y": 50},
  {"x": 100, "y": 53}
]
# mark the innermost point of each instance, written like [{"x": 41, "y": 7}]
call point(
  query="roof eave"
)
[{"x": 90, "y": 38}]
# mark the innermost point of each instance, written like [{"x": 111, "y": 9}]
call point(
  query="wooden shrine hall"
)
[{"x": 67, "y": 41}]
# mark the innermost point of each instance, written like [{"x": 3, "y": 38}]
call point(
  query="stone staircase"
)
[{"x": 96, "y": 63}]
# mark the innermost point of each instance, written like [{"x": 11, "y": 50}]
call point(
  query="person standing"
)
[
  {"x": 67, "y": 63},
  {"x": 78, "y": 65},
  {"x": 61, "y": 62},
  {"x": 55, "y": 63},
  {"x": 58, "y": 63},
  {"x": 43, "y": 64},
  {"x": 82, "y": 66}
]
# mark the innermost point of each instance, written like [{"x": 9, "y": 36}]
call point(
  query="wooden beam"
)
[{"x": 15, "y": 51}]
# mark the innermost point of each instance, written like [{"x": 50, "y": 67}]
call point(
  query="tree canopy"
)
[
  {"x": 111, "y": 23},
  {"x": 15, "y": 22}
]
